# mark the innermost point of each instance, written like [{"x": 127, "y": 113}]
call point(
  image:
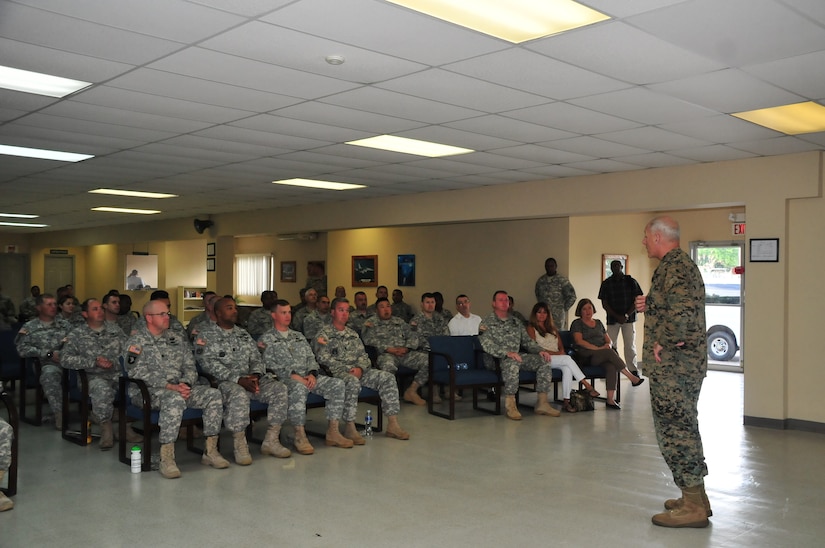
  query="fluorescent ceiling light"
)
[
  {"x": 43, "y": 154},
  {"x": 794, "y": 119},
  {"x": 132, "y": 193},
  {"x": 311, "y": 183},
  {"x": 516, "y": 21},
  {"x": 25, "y": 225},
  {"x": 19, "y": 215},
  {"x": 126, "y": 210},
  {"x": 36, "y": 82},
  {"x": 410, "y": 146}
]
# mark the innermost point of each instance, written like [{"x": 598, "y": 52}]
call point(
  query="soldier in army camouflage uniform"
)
[
  {"x": 260, "y": 320},
  {"x": 288, "y": 354},
  {"x": 28, "y": 308},
  {"x": 174, "y": 323},
  {"x": 43, "y": 338},
  {"x": 428, "y": 323},
  {"x": 163, "y": 360},
  {"x": 311, "y": 300},
  {"x": 6, "y": 436},
  {"x": 96, "y": 348},
  {"x": 675, "y": 355},
  {"x": 317, "y": 319},
  {"x": 8, "y": 316},
  {"x": 359, "y": 314},
  {"x": 397, "y": 344},
  {"x": 126, "y": 319},
  {"x": 502, "y": 336},
  {"x": 228, "y": 352},
  {"x": 557, "y": 291},
  {"x": 341, "y": 353},
  {"x": 205, "y": 318}
]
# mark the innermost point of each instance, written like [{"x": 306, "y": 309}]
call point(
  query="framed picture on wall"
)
[
  {"x": 364, "y": 270},
  {"x": 288, "y": 273},
  {"x": 609, "y": 258},
  {"x": 406, "y": 270},
  {"x": 210, "y": 264},
  {"x": 210, "y": 249}
]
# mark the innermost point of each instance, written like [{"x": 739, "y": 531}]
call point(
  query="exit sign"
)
[{"x": 738, "y": 228}]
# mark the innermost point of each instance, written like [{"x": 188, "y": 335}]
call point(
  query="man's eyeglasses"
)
[{"x": 161, "y": 314}]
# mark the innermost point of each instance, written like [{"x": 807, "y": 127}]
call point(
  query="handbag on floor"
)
[{"x": 582, "y": 400}]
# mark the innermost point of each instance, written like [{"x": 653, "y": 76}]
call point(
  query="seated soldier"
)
[
  {"x": 397, "y": 344},
  {"x": 288, "y": 354},
  {"x": 428, "y": 323},
  {"x": 260, "y": 319},
  {"x": 228, "y": 352},
  {"x": 317, "y": 319},
  {"x": 205, "y": 318},
  {"x": 359, "y": 314},
  {"x": 400, "y": 309},
  {"x": 6, "y": 437}
]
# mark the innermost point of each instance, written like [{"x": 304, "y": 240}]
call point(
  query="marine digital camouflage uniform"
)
[
  {"x": 259, "y": 322},
  {"x": 314, "y": 323},
  {"x": 229, "y": 355},
  {"x": 383, "y": 334},
  {"x": 37, "y": 339},
  {"x": 559, "y": 294},
  {"x": 676, "y": 313},
  {"x": 498, "y": 337},
  {"x": 428, "y": 327},
  {"x": 167, "y": 359},
  {"x": 338, "y": 352},
  {"x": 81, "y": 351},
  {"x": 290, "y": 353}
]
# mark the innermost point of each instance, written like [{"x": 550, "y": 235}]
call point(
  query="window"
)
[{"x": 253, "y": 274}]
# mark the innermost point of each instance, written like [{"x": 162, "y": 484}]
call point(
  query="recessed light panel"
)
[
  {"x": 311, "y": 183},
  {"x": 410, "y": 146},
  {"x": 41, "y": 84},
  {"x": 24, "y": 225},
  {"x": 131, "y": 193},
  {"x": 516, "y": 21},
  {"x": 126, "y": 210},
  {"x": 19, "y": 215},
  {"x": 43, "y": 154},
  {"x": 794, "y": 119}
]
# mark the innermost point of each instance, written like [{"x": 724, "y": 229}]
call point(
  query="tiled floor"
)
[{"x": 586, "y": 479}]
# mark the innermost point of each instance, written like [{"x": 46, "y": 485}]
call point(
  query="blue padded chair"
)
[
  {"x": 457, "y": 363},
  {"x": 8, "y": 402},
  {"x": 23, "y": 371}
]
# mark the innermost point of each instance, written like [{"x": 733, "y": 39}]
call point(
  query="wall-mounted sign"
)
[
  {"x": 738, "y": 229},
  {"x": 58, "y": 252}
]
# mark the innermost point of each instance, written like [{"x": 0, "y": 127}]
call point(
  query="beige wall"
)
[{"x": 781, "y": 194}]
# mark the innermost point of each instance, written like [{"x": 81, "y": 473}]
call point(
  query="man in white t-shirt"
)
[{"x": 464, "y": 323}]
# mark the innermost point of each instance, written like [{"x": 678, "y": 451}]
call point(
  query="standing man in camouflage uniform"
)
[
  {"x": 397, "y": 345},
  {"x": 228, "y": 352},
  {"x": 43, "y": 338},
  {"x": 6, "y": 437},
  {"x": 341, "y": 353},
  {"x": 676, "y": 359},
  {"x": 502, "y": 336},
  {"x": 96, "y": 347},
  {"x": 163, "y": 359},
  {"x": 260, "y": 319},
  {"x": 288, "y": 354},
  {"x": 557, "y": 291}
]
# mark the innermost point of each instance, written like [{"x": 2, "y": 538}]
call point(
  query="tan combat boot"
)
[
  {"x": 350, "y": 432},
  {"x": 301, "y": 443},
  {"x": 510, "y": 408},
  {"x": 394, "y": 429},
  {"x": 691, "y": 513},
  {"x": 106, "y": 436},
  {"x": 272, "y": 443},
  {"x": 411, "y": 394},
  {"x": 5, "y": 502},
  {"x": 543, "y": 407},
  {"x": 58, "y": 420},
  {"x": 212, "y": 457},
  {"x": 671, "y": 504},
  {"x": 168, "y": 468},
  {"x": 334, "y": 437},
  {"x": 241, "y": 449}
]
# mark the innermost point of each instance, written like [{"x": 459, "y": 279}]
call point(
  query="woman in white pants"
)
[{"x": 542, "y": 330}]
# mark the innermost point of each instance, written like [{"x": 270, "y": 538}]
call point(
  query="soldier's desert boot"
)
[
  {"x": 670, "y": 504},
  {"x": 394, "y": 429},
  {"x": 511, "y": 409},
  {"x": 301, "y": 443},
  {"x": 107, "y": 440},
  {"x": 543, "y": 407},
  {"x": 5, "y": 502},
  {"x": 691, "y": 513},
  {"x": 351, "y": 432},
  {"x": 334, "y": 437},
  {"x": 212, "y": 457},
  {"x": 241, "y": 449},
  {"x": 168, "y": 468},
  {"x": 411, "y": 394},
  {"x": 272, "y": 442}
]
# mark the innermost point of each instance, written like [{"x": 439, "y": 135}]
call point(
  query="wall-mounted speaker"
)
[{"x": 201, "y": 225}]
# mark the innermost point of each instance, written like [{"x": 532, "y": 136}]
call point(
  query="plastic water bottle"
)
[
  {"x": 368, "y": 424},
  {"x": 136, "y": 459}
]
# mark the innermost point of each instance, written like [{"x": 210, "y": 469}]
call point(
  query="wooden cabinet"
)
[{"x": 190, "y": 303}]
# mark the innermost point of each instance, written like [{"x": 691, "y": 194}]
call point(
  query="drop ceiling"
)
[{"x": 214, "y": 99}]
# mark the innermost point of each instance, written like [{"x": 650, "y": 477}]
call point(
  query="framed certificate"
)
[{"x": 764, "y": 250}]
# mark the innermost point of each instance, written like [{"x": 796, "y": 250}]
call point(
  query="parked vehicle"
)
[{"x": 723, "y": 317}]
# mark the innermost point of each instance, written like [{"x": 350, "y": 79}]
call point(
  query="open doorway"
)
[{"x": 722, "y": 271}]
